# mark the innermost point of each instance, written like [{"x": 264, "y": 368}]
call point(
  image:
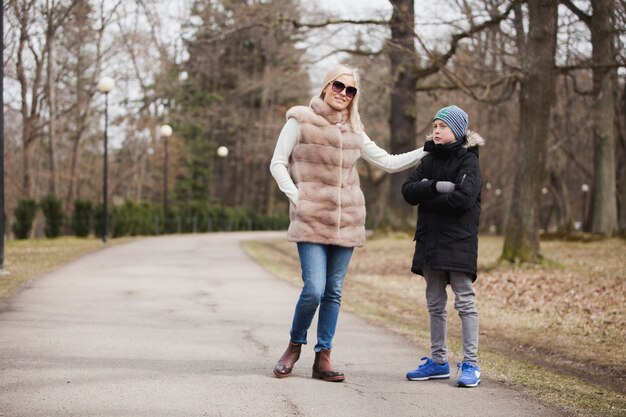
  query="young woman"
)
[{"x": 314, "y": 164}]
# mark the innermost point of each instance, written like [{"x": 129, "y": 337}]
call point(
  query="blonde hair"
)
[{"x": 353, "y": 107}]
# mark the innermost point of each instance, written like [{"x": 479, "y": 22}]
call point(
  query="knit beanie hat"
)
[{"x": 455, "y": 118}]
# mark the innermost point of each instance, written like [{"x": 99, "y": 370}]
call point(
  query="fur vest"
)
[{"x": 331, "y": 206}]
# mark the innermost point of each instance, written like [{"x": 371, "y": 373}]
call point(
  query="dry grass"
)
[
  {"x": 557, "y": 330},
  {"x": 25, "y": 259}
]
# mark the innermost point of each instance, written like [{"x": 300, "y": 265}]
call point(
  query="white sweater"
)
[{"x": 376, "y": 156}]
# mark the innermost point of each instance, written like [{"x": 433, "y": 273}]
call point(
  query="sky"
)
[
  {"x": 352, "y": 9},
  {"x": 347, "y": 7}
]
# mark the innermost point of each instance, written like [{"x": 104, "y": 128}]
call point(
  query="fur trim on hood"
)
[{"x": 473, "y": 139}]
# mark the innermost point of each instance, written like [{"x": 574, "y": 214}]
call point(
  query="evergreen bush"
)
[
  {"x": 82, "y": 218},
  {"x": 146, "y": 218},
  {"x": 97, "y": 220},
  {"x": 24, "y": 215},
  {"x": 53, "y": 212}
]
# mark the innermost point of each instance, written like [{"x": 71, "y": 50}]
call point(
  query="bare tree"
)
[
  {"x": 402, "y": 57},
  {"x": 603, "y": 214},
  {"x": 536, "y": 96},
  {"x": 30, "y": 87},
  {"x": 621, "y": 118},
  {"x": 87, "y": 62}
]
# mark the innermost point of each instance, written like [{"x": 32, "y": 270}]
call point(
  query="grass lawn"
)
[
  {"x": 24, "y": 259},
  {"x": 557, "y": 330}
]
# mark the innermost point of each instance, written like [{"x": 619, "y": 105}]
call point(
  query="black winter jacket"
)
[{"x": 446, "y": 236}]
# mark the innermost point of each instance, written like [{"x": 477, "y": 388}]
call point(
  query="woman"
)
[{"x": 314, "y": 164}]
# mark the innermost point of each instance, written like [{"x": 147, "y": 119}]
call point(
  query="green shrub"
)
[
  {"x": 270, "y": 223},
  {"x": 146, "y": 218},
  {"x": 24, "y": 215},
  {"x": 133, "y": 219},
  {"x": 53, "y": 211},
  {"x": 82, "y": 218},
  {"x": 97, "y": 220}
]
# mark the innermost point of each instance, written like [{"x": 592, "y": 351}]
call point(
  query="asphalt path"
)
[{"x": 187, "y": 326}]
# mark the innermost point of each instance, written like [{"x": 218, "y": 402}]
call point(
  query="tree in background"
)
[
  {"x": 82, "y": 51},
  {"x": 243, "y": 72},
  {"x": 229, "y": 75},
  {"x": 602, "y": 23},
  {"x": 521, "y": 240},
  {"x": 621, "y": 166},
  {"x": 402, "y": 118}
]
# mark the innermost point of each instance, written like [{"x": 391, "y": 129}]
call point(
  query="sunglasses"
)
[{"x": 338, "y": 87}]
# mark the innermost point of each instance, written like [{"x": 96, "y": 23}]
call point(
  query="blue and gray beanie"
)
[{"x": 455, "y": 118}]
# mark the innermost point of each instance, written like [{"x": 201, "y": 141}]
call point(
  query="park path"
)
[{"x": 187, "y": 326}]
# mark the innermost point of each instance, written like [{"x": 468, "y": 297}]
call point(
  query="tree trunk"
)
[
  {"x": 402, "y": 55},
  {"x": 564, "y": 220},
  {"x": 521, "y": 240},
  {"x": 23, "y": 14},
  {"x": 52, "y": 185},
  {"x": 604, "y": 199},
  {"x": 73, "y": 177},
  {"x": 622, "y": 162}
]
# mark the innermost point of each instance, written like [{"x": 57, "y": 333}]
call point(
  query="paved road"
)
[{"x": 187, "y": 326}]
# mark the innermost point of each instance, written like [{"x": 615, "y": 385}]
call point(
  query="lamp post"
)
[
  {"x": 585, "y": 189},
  {"x": 2, "y": 271},
  {"x": 105, "y": 86},
  {"x": 546, "y": 222},
  {"x": 498, "y": 193},
  {"x": 222, "y": 152},
  {"x": 165, "y": 131}
]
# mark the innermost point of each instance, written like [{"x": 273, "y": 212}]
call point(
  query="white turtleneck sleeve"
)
[
  {"x": 373, "y": 154},
  {"x": 389, "y": 163},
  {"x": 280, "y": 161}
]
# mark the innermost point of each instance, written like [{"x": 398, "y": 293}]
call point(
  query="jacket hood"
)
[{"x": 473, "y": 139}]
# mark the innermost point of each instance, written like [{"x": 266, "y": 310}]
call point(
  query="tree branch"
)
[
  {"x": 584, "y": 17},
  {"x": 567, "y": 68},
  {"x": 440, "y": 61},
  {"x": 330, "y": 22}
]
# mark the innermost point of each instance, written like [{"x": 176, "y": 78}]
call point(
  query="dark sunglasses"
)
[{"x": 338, "y": 87}]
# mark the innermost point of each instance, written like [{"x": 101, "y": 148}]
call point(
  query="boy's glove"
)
[{"x": 444, "y": 186}]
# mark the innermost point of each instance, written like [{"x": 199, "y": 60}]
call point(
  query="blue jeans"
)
[{"x": 324, "y": 268}]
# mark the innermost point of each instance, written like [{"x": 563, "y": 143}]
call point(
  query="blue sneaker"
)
[
  {"x": 429, "y": 370},
  {"x": 470, "y": 375}
]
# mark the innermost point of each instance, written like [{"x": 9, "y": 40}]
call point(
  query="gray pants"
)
[{"x": 436, "y": 299}]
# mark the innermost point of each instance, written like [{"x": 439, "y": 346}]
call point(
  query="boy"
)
[{"x": 446, "y": 186}]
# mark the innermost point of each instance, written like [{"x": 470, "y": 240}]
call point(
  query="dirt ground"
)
[{"x": 567, "y": 316}]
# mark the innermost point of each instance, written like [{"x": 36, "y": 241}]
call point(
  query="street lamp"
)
[
  {"x": 498, "y": 193},
  {"x": 105, "y": 86},
  {"x": 165, "y": 131},
  {"x": 2, "y": 271},
  {"x": 585, "y": 189},
  {"x": 222, "y": 152}
]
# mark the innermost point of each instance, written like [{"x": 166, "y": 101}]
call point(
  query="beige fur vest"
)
[{"x": 331, "y": 206}]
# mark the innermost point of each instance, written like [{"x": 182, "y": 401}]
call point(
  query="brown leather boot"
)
[
  {"x": 323, "y": 369},
  {"x": 285, "y": 363}
]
